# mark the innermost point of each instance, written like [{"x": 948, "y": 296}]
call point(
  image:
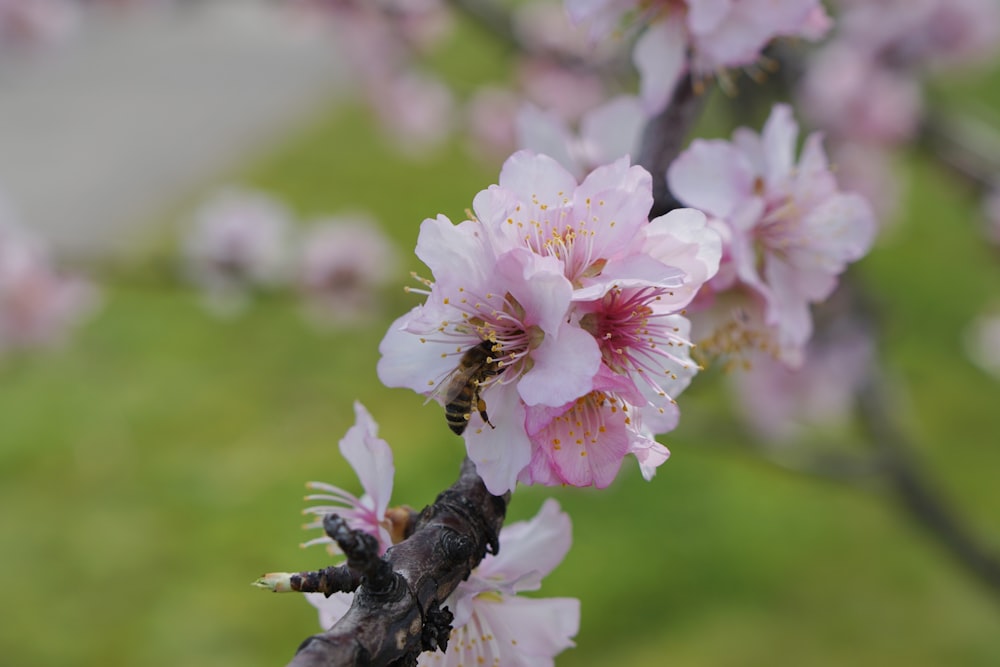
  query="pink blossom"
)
[
  {"x": 38, "y": 304},
  {"x": 868, "y": 170},
  {"x": 33, "y": 23},
  {"x": 489, "y": 124},
  {"x": 563, "y": 91},
  {"x": 718, "y": 34},
  {"x": 545, "y": 28},
  {"x": 519, "y": 301},
  {"x": 578, "y": 295},
  {"x": 791, "y": 232},
  {"x": 865, "y": 85},
  {"x": 606, "y": 133},
  {"x": 922, "y": 34},
  {"x": 416, "y": 109},
  {"x": 853, "y": 95},
  {"x": 780, "y": 403},
  {"x": 371, "y": 458},
  {"x": 381, "y": 40},
  {"x": 343, "y": 264},
  {"x": 238, "y": 243}
]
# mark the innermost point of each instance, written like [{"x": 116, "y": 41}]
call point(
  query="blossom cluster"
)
[
  {"x": 492, "y": 625},
  {"x": 552, "y": 328},
  {"x": 243, "y": 241}
]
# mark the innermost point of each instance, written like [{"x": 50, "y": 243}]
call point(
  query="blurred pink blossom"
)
[
  {"x": 33, "y": 23},
  {"x": 416, "y": 109},
  {"x": 788, "y": 232},
  {"x": 606, "y": 133},
  {"x": 545, "y": 28},
  {"x": 853, "y": 95},
  {"x": 700, "y": 36},
  {"x": 38, "y": 304},
  {"x": 781, "y": 404},
  {"x": 868, "y": 170},
  {"x": 490, "y": 122},
  {"x": 866, "y": 84},
  {"x": 238, "y": 243},
  {"x": 381, "y": 41},
  {"x": 558, "y": 89},
  {"x": 343, "y": 264},
  {"x": 921, "y": 34}
]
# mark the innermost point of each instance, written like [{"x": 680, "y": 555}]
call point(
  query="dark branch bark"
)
[
  {"x": 330, "y": 580},
  {"x": 915, "y": 493},
  {"x": 396, "y": 614},
  {"x": 663, "y": 138}
]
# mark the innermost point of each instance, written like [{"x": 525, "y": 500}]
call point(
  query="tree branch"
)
[
  {"x": 913, "y": 490},
  {"x": 663, "y": 138},
  {"x": 396, "y": 611}
]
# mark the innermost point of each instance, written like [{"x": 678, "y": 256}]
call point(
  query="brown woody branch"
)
[
  {"x": 663, "y": 138},
  {"x": 397, "y": 612},
  {"x": 913, "y": 490}
]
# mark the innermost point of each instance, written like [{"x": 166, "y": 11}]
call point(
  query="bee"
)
[{"x": 459, "y": 391}]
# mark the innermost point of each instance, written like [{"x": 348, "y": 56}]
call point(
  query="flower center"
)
[
  {"x": 634, "y": 337},
  {"x": 571, "y": 241}
]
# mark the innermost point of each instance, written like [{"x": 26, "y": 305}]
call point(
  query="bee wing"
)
[{"x": 448, "y": 389}]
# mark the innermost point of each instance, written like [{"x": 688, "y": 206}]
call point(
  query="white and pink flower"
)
[
  {"x": 580, "y": 294},
  {"x": 606, "y": 133},
  {"x": 789, "y": 230},
  {"x": 371, "y": 458}
]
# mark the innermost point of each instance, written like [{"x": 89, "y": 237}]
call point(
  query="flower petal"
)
[
  {"x": 371, "y": 458},
  {"x": 529, "y": 550},
  {"x": 659, "y": 57},
  {"x": 499, "y": 453},
  {"x": 713, "y": 176},
  {"x": 564, "y": 368}
]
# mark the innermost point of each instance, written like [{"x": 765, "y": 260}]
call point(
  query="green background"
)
[{"x": 155, "y": 466}]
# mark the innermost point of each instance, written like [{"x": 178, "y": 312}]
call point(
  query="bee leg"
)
[{"x": 481, "y": 406}]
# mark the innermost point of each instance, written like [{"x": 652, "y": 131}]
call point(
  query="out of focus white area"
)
[{"x": 135, "y": 110}]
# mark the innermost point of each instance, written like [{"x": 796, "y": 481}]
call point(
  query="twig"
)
[{"x": 396, "y": 611}]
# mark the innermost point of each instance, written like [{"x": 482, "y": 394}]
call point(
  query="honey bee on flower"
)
[{"x": 579, "y": 295}]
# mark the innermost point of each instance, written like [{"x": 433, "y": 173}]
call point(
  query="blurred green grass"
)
[{"x": 153, "y": 468}]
